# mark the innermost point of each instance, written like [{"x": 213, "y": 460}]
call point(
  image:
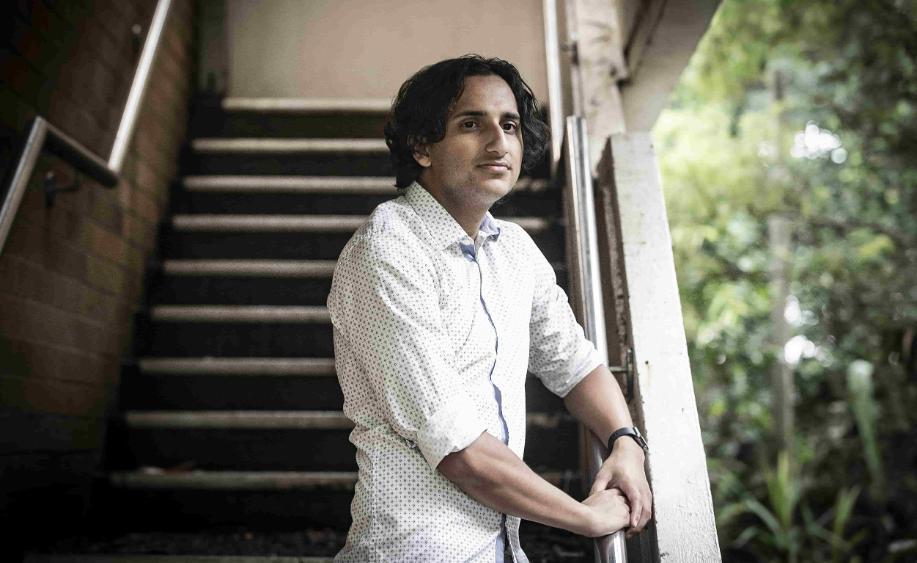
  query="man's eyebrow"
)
[{"x": 477, "y": 113}]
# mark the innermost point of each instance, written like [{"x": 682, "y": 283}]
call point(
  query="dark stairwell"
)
[{"x": 230, "y": 437}]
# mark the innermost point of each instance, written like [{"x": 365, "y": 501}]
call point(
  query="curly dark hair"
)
[{"x": 422, "y": 106}]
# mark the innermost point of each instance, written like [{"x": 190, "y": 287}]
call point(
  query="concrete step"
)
[
  {"x": 288, "y": 441},
  {"x": 235, "y": 245},
  {"x": 246, "y": 389},
  {"x": 307, "y": 106},
  {"x": 289, "y": 118},
  {"x": 321, "y": 196},
  {"x": 289, "y": 367},
  {"x": 190, "y": 509},
  {"x": 304, "y": 223},
  {"x": 239, "y": 314},
  {"x": 222, "y": 338},
  {"x": 335, "y": 185},
  {"x": 284, "y": 290},
  {"x": 251, "y": 268},
  {"x": 279, "y": 146},
  {"x": 288, "y": 157},
  {"x": 241, "y": 420},
  {"x": 287, "y": 420},
  {"x": 290, "y": 245},
  {"x": 254, "y": 384},
  {"x": 131, "y": 558},
  {"x": 156, "y": 478}
]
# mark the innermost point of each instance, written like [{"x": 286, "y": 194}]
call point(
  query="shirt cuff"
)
[
  {"x": 583, "y": 364},
  {"x": 450, "y": 429}
]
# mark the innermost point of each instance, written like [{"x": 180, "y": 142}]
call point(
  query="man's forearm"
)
[
  {"x": 598, "y": 403},
  {"x": 492, "y": 474}
]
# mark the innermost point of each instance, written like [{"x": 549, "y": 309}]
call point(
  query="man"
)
[{"x": 439, "y": 310}]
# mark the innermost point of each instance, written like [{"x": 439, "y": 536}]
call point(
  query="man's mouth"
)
[{"x": 495, "y": 166}]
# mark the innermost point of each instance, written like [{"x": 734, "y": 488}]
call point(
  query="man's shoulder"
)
[
  {"x": 391, "y": 234},
  {"x": 392, "y": 226}
]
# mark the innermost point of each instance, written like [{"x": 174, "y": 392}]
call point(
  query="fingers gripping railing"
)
[
  {"x": 583, "y": 257},
  {"x": 105, "y": 172}
]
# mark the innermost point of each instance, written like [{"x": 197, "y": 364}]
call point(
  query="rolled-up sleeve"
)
[
  {"x": 384, "y": 302},
  {"x": 559, "y": 355}
]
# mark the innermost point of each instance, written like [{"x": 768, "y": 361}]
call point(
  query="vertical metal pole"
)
[
  {"x": 555, "y": 91},
  {"x": 587, "y": 277}
]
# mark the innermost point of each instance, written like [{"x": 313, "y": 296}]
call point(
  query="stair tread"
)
[
  {"x": 252, "y": 480},
  {"x": 275, "y": 419},
  {"x": 316, "y": 184},
  {"x": 293, "y": 184},
  {"x": 307, "y": 105},
  {"x": 235, "y": 480},
  {"x": 238, "y": 419},
  {"x": 308, "y": 223},
  {"x": 241, "y": 313},
  {"x": 242, "y": 366},
  {"x": 273, "y": 268},
  {"x": 285, "y": 145}
]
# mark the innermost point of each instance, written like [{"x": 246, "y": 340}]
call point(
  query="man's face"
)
[{"x": 479, "y": 159}]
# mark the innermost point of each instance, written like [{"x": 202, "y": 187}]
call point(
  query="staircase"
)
[{"x": 231, "y": 417}]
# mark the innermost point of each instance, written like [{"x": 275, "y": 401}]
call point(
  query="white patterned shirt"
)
[{"x": 433, "y": 336}]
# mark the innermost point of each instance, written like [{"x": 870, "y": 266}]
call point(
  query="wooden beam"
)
[
  {"x": 658, "y": 50},
  {"x": 599, "y": 65},
  {"x": 664, "y": 401}
]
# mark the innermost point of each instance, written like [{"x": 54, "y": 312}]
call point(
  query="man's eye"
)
[
  {"x": 510, "y": 127},
  {"x": 469, "y": 124}
]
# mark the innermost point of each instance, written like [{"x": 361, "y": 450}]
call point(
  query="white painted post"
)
[{"x": 685, "y": 530}]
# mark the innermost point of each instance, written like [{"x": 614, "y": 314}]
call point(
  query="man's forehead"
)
[{"x": 485, "y": 94}]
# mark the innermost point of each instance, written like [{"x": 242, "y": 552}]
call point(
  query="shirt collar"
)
[{"x": 443, "y": 228}]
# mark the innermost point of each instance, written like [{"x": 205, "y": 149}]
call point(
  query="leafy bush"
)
[{"x": 806, "y": 111}]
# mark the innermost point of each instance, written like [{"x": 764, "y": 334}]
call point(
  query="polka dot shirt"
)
[{"x": 433, "y": 335}]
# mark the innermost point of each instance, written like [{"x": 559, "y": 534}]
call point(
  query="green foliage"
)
[{"x": 734, "y": 151}]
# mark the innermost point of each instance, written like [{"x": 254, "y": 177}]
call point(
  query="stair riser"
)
[
  {"x": 544, "y": 204},
  {"x": 290, "y": 340},
  {"x": 231, "y": 392},
  {"x": 302, "y": 164},
  {"x": 184, "y": 510},
  {"x": 279, "y": 449},
  {"x": 293, "y": 245},
  {"x": 216, "y": 123},
  {"x": 242, "y": 449},
  {"x": 260, "y": 246},
  {"x": 211, "y": 290},
  {"x": 240, "y": 392},
  {"x": 218, "y": 290}
]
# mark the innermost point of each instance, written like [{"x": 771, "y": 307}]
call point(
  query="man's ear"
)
[{"x": 422, "y": 155}]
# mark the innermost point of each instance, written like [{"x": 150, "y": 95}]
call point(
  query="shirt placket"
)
[{"x": 471, "y": 251}]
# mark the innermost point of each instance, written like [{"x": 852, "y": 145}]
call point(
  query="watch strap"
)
[{"x": 631, "y": 432}]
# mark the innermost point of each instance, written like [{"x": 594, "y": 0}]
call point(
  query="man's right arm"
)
[{"x": 492, "y": 474}]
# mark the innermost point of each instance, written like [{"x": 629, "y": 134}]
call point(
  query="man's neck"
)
[{"x": 468, "y": 217}]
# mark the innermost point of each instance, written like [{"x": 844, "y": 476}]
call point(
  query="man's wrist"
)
[
  {"x": 627, "y": 434},
  {"x": 628, "y": 447},
  {"x": 627, "y": 439}
]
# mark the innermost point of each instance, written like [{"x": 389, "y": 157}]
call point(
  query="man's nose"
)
[{"x": 496, "y": 139}]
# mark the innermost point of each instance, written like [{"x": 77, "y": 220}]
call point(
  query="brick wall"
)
[{"x": 71, "y": 276}]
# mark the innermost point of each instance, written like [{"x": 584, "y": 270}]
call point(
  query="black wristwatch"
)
[{"x": 628, "y": 431}]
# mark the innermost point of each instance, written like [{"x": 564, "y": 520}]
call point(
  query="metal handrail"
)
[
  {"x": 586, "y": 278},
  {"x": 83, "y": 158},
  {"x": 555, "y": 89}
]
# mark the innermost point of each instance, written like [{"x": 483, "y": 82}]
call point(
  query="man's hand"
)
[
  {"x": 623, "y": 470},
  {"x": 609, "y": 513}
]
